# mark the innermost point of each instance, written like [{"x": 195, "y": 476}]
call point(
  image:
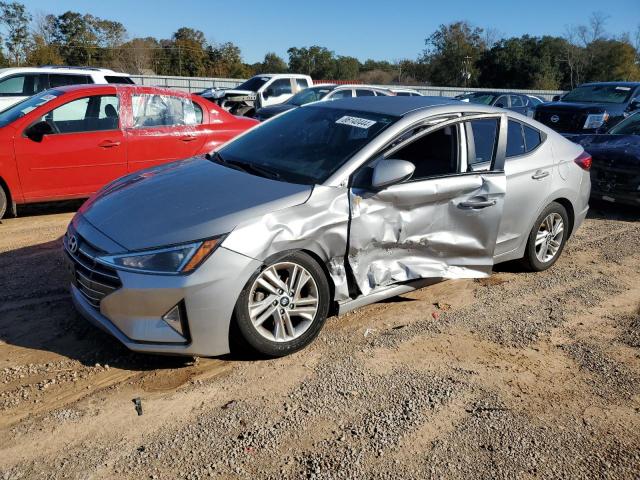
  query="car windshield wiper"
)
[{"x": 261, "y": 170}]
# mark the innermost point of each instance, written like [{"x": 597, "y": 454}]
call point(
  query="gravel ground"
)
[{"x": 519, "y": 375}]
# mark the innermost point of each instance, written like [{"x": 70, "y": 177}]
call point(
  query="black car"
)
[
  {"x": 511, "y": 101},
  {"x": 615, "y": 172},
  {"x": 591, "y": 108}
]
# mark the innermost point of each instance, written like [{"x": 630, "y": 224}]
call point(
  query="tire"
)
[
  {"x": 275, "y": 325},
  {"x": 4, "y": 202},
  {"x": 549, "y": 245}
]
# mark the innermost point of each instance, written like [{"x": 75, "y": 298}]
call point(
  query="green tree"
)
[
  {"x": 15, "y": 20},
  {"x": 612, "y": 60},
  {"x": 272, "y": 63},
  {"x": 452, "y": 52},
  {"x": 319, "y": 62},
  {"x": 346, "y": 68}
]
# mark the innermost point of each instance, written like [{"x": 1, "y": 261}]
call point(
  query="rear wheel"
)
[
  {"x": 4, "y": 202},
  {"x": 283, "y": 306},
  {"x": 547, "y": 238}
]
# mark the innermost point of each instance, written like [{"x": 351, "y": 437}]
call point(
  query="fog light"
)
[{"x": 176, "y": 319}]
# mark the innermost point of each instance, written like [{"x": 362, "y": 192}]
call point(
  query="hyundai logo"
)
[
  {"x": 73, "y": 244},
  {"x": 555, "y": 118}
]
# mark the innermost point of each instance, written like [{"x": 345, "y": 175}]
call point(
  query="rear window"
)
[
  {"x": 60, "y": 80},
  {"x": 599, "y": 94},
  {"x": 116, "y": 79},
  {"x": 521, "y": 139}
]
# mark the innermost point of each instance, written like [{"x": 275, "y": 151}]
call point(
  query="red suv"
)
[{"x": 70, "y": 141}]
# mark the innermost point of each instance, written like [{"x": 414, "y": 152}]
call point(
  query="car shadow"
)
[
  {"x": 600, "y": 210},
  {"x": 36, "y": 312}
]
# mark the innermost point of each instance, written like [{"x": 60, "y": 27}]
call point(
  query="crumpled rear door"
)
[{"x": 443, "y": 227}]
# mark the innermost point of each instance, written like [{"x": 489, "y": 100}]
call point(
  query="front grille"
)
[
  {"x": 94, "y": 280},
  {"x": 568, "y": 122}
]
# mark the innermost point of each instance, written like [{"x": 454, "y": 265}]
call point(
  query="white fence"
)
[{"x": 196, "y": 84}]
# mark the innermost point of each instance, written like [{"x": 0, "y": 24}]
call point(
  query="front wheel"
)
[
  {"x": 547, "y": 238},
  {"x": 283, "y": 306}
]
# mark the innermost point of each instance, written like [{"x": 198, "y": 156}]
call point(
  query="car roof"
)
[
  {"x": 62, "y": 70},
  {"x": 387, "y": 105},
  {"x": 112, "y": 87},
  {"x": 625, "y": 84}
]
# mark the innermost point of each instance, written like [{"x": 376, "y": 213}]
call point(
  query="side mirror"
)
[
  {"x": 37, "y": 131},
  {"x": 389, "y": 172},
  {"x": 268, "y": 93},
  {"x": 634, "y": 105},
  {"x": 556, "y": 98}
]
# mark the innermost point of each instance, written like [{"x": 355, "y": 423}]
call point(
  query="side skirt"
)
[{"x": 384, "y": 293}]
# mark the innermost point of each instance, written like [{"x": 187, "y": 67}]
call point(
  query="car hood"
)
[
  {"x": 578, "y": 107},
  {"x": 607, "y": 150},
  {"x": 184, "y": 201},
  {"x": 273, "y": 110}
]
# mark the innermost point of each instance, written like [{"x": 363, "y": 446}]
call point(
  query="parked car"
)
[
  {"x": 320, "y": 93},
  {"x": 259, "y": 91},
  {"x": 615, "y": 173},
  {"x": 70, "y": 141},
  {"x": 511, "y": 101},
  {"x": 16, "y": 84},
  {"x": 405, "y": 92},
  {"x": 591, "y": 107},
  {"x": 329, "y": 207}
]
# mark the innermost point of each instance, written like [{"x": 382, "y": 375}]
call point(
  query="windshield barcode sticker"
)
[{"x": 356, "y": 122}]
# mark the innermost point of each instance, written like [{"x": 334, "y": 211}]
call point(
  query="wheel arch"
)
[{"x": 568, "y": 206}]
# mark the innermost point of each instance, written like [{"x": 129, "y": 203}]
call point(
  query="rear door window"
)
[
  {"x": 60, "y": 79},
  {"x": 364, "y": 93},
  {"x": 162, "y": 110},
  {"x": 341, "y": 94},
  {"x": 482, "y": 136},
  {"x": 515, "y": 139},
  {"x": 516, "y": 101},
  {"x": 118, "y": 79}
]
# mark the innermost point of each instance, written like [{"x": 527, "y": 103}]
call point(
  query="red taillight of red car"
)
[{"x": 584, "y": 161}]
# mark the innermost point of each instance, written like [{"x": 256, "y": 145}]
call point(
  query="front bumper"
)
[{"x": 133, "y": 313}]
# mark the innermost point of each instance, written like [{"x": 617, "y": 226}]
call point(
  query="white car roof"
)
[{"x": 61, "y": 69}]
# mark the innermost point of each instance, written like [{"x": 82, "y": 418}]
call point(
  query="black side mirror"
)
[
  {"x": 37, "y": 131},
  {"x": 634, "y": 105},
  {"x": 556, "y": 98},
  {"x": 268, "y": 93}
]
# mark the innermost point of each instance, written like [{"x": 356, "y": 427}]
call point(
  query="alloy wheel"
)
[
  {"x": 549, "y": 237},
  {"x": 283, "y": 302}
]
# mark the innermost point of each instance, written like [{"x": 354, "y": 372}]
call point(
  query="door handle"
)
[
  {"x": 540, "y": 174},
  {"x": 188, "y": 138},
  {"x": 477, "y": 202},
  {"x": 109, "y": 144}
]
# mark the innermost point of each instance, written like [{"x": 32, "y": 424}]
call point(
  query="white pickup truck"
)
[{"x": 259, "y": 91}]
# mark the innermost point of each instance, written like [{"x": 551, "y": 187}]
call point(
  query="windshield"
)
[
  {"x": 629, "y": 126},
  {"x": 253, "y": 84},
  {"x": 309, "y": 95},
  {"x": 599, "y": 94},
  {"x": 306, "y": 145},
  {"x": 20, "y": 109},
  {"x": 482, "y": 98}
]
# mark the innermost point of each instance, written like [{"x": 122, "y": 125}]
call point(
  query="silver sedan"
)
[{"x": 316, "y": 212}]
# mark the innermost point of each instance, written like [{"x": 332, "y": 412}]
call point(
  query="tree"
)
[
  {"x": 452, "y": 52},
  {"x": 225, "y": 60},
  {"x": 315, "y": 61},
  {"x": 612, "y": 60},
  {"x": 272, "y": 63},
  {"x": 15, "y": 20},
  {"x": 346, "y": 68},
  {"x": 140, "y": 56}
]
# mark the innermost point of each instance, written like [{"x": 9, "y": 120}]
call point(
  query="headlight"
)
[
  {"x": 179, "y": 259},
  {"x": 595, "y": 120}
]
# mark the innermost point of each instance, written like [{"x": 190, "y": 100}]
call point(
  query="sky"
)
[{"x": 382, "y": 30}]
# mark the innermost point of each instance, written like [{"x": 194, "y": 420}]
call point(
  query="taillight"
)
[{"x": 584, "y": 161}]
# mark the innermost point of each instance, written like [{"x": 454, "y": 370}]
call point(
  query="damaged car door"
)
[{"x": 441, "y": 222}]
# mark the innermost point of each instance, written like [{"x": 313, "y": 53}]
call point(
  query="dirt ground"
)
[{"x": 519, "y": 375}]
